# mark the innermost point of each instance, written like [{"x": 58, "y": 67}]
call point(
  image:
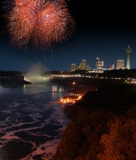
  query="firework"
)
[
  {"x": 53, "y": 23},
  {"x": 21, "y": 22},
  {"x": 43, "y": 22}
]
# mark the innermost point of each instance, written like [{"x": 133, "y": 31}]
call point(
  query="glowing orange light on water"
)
[
  {"x": 74, "y": 83},
  {"x": 70, "y": 99},
  {"x": 79, "y": 97}
]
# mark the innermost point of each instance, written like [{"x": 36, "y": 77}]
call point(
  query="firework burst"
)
[
  {"x": 43, "y": 22},
  {"x": 22, "y": 21},
  {"x": 54, "y": 23}
]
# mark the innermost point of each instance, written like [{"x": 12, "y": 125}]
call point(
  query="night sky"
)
[{"x": 102, "y": 30}]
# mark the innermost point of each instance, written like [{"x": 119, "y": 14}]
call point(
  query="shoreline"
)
[{"x": 94, "y": 110}]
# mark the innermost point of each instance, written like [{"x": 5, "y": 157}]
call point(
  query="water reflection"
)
[
  {"x": 35, "y": 88},
  {"x": 55, "y": 90},
  {"x": 39, "y": 88}
]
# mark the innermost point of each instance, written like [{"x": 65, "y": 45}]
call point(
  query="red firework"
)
[
  {"x": 21, "y": 21},
  {"x": 53, "y": 23},
  {"x": 44, "y": 23}
]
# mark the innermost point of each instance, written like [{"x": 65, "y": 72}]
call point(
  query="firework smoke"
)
[{"x": 41, "y": 21}]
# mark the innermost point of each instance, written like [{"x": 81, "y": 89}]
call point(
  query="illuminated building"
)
[
  {"x": 83, "y": 65},
  {"x": 128, "y": 51},
  {"x": 112, "y": 67},
  {"x": 120, "y": 64},
  {"x": 73, "y": 67},
  {"x": 99, "y": 64}
]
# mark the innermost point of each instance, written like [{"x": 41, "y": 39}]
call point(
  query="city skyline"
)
[
  {"x": 51, "y": 62},
  {"x": 99, "y": 64},
  {"x": 94, "y": 36}
]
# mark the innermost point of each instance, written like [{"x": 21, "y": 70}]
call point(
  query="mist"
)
[{"x": 36, "y": 74}]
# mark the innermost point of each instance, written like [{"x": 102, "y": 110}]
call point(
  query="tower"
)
[{"x": 128, "y": 51}]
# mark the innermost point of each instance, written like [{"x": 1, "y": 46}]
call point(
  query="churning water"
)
[{"x": 30, "y": 123}]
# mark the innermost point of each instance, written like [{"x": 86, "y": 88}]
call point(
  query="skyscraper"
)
[
  {"x": 83, "y": 65},
  {"x": 73, "y": 67},
  {"x": 99, "y": 64},
  {"x": 112, "y": 67},
  {"x": 120, "y": 64},
  {"x": 128, "y": 51}
]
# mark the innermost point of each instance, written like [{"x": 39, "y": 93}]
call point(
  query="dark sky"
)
[{"x": 103, "y": 29}]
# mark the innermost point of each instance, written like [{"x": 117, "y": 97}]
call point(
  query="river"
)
[{"x": 31, "y": 122}]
